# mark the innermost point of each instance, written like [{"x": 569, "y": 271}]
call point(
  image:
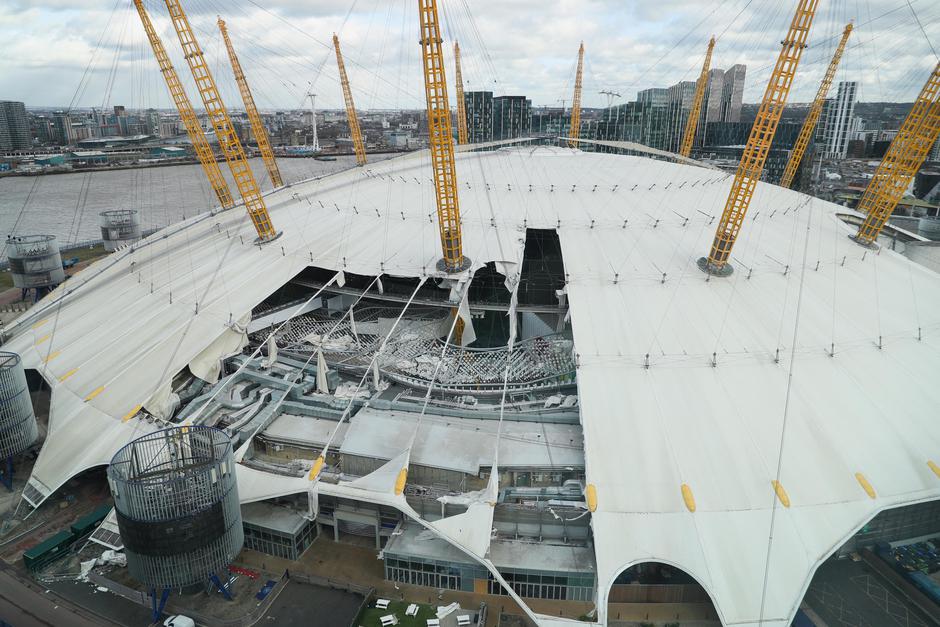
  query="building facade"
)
[
  {"x": 14, "y": 126},
  {"x": 479, "y": 108},
  {"x": 511, "y": 117},
  {"x": 838, "y": 120}
]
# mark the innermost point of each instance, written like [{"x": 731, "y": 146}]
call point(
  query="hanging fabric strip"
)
[{"x": 463, "y": 312}]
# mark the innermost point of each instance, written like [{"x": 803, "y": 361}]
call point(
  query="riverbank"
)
[{"x": 166, "y": 163}]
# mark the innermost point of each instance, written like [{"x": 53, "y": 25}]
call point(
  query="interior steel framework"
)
[
  {"x": 257, "y": 126},
  {"x": 224, "y": 131},
  {"x": 692, "y": 123},
  {"x": 461, "y": 105},
  {"x": 761, "y": 137},
  {"x": 812, "y": 117},
  {"x": 440, "y": 135},
  {"x": 906, "y": 154},
  {"x": 187, "y": 115},
  {"x": 354, "y": 131},
  {"x": 574, "y": 132}
]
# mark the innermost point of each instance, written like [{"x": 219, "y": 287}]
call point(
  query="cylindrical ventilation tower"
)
[
  {"x": 35, "y": 261},
  {"x": 177, "y": 505},
  {"x": 119, "y": 228},
  {"x": 18, "y": 428}
]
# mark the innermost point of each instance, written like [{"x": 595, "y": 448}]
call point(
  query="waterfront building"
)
[{"x": 14, "y": 126}]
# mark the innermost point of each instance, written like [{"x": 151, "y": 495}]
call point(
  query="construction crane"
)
[
  {"x": 187, "y": 115},
  {"x": 441, "y": 140},
  {"x": 812, "y": 117},
  {"x": 257, "y": 126},
  {"x": 692, "y": 123},
  {"x": 758, "y": 143},
  {"x": 462, "y": 136},
  {"x": 355, "y": 133},
  {"x": 224, "y": 131},
  {"x": 905, "y": 155},
  {"x": 574, "y": 132}
]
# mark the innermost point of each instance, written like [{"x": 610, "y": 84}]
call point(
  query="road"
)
[{"x": 23, "y": 605}]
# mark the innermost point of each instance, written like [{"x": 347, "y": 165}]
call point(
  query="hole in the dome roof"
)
[{"x": 543, "y": 269}]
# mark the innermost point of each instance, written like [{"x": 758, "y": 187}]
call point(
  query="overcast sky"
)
[{"x": 87, "y": 53}]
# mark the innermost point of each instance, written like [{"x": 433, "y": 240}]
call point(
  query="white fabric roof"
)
[{"x": 631, "y": 230}]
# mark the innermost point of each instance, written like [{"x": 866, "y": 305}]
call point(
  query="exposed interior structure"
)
[{"x": 606, "y": 405}]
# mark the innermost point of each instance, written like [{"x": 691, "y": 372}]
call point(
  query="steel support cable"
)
[
  {"x": 83, "y": 81},
  {"x": 195, "y": 416},
  {"x": 786, "y": 414},
  {"x": 427, "y": 395},
  {"x": 19, "y": 216},
  {"x": 502, "y": 399},
  {"x": 321, "y": 43},
  {"x": 298, "y": 375},
  {"x": 369, "y": 369},
  {"x": 923, "y": 32}
]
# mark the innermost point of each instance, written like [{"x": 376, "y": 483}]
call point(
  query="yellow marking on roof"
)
[
  {"x": 316, "y": 468},
  {"x": 43, "y": 339},
  {"x": 688, "y": 497},
  {"x": 40, "y": 323},
  {"x": 131, "y": 413},
  {"x": 934, "y": 467},
  {"x": 591, "y": 495},
  {"x": 95, "y": 393},
  {"x": 865, "y": 485},
  {"x": 51, "y": 356},
  {"x": 781, "y": 493},
  {"x": 400, "y": 482},
  {"x": 67, "y": 375}
]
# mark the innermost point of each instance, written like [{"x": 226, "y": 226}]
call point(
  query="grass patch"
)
[
  {"x": 85, "y": 253},
  {"x": 370, "y": 616}
]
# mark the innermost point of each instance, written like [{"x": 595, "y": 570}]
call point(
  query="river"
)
[{"x": 67, "y": 205}]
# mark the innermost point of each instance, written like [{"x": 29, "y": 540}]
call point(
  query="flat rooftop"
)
[
  {"x": 305, "y": 430},
  {"x": 506, "y": 554},
  {"x": 274, "y": 517},
  {"x": 463, "y": 444}
]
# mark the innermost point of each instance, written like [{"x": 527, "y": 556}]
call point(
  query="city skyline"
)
[{"x": 515, "y": 49}]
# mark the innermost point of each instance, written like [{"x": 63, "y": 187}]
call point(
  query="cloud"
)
[{"x": 521, "y": 47}]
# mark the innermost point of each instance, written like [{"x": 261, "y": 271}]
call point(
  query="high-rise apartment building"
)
[
  {"x": 723, "y": 97},
  {"x": 511, "y": 117},
  {"x": 838, "y": 120},
  {"x": 62, "y": 123},
  {"x": 732, "y": 93},
  {"x": 14, "y": 126}
]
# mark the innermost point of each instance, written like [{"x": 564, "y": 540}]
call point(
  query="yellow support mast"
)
[
  {"x": 441, "y": 140},
  {"x": 187, "y": 115},
  {"x": 812, "y": 117},
  {"x": 575, "y": 131},
  {"x": 462, "y": 135},
  {"x": 758, "y": 143},
  {"x": 224, "y": 131},
  {"x": 354, "y": 131},
  {"x": 905, "y": 155},
  {"x": 692, "y": 123},
  {"x": 257, "y": 126}
]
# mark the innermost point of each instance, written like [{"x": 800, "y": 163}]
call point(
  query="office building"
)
[
  {"x": 479, "y": 107},
  {"x": 510, "y": 117}
]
